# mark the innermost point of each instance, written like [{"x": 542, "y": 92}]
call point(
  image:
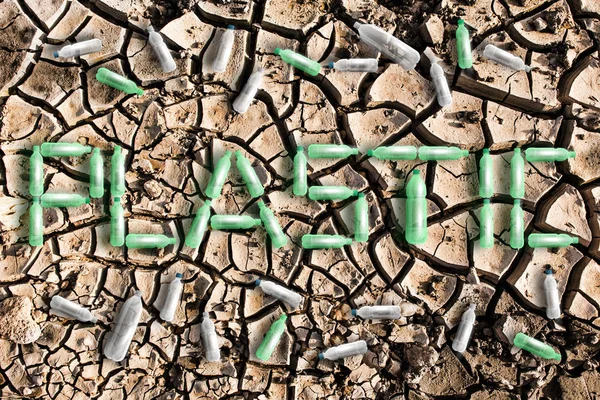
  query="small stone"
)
[{"x": 432, "y": 29}]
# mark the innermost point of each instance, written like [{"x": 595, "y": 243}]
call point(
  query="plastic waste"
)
[
  {"x": 126, "y": 323},
  {"x": 299, "y": 61},
  {"x": 551, "y": 240},
  {"x": 387, "y": 44},
  {"x": 63, "y": 200},
  {"x": 68, "y": 309},
  {"x": 552, "y": 296},
  {"x": 345, "y": 350},
  {"x": 217, "y": 179},
  {"x": 117, "y": 173},
  {"x": 253, "y": 184},
  {"x": 355, "y": 65},
  {"x": 486, "y": 175},
  {"x": 224, "y": 222},
  {"x": 271, "y": 224},
  {"x": 96, "y": 175},
  {"x": 79, "y": 49},
  {"x": 324, "y": 241},
  {"x": 64, "y": 149},
  {"x": 300, "y": 173},
  {"x": 161, "y": 50},
  {"x": 330, "y": 193},
  {"x": 224, "y": 49},
  {"x": 442, "y": 90},
  {"x": 330, "y": 151},
  {"x": 117, "y": 223},
  {"x": 500, "y": 56},
  {"x": 517, "y": 175},
  {"x": 438, "y": 153},
  {"x": 548, "y": 154},
  {"x": 248, "y": 93},
  {"x": 36, "y": 173},
  {"x": 416, "y": 209},
  {"x": 117, "y": 81},
  {"x": 535, "y": 347},
  {"x": 486, "y": 225},
  {"x": 361, "y": 219},
  {"x": 517, "y": 226},
  {"x": 378, "y": 312},
  {"x": 172, "y": 300},
  {"x": 463, "y": 46},
  {"x": 148, "y": 241},
  {"x": 463, "y": 334},
  {"x": 394, "y": 153},
  {"x": 36, "y": 223},
  {"x": 199, "y": 225},
  {"x": 281, "y": 293},
  {"x": 210, "y": 339},
  {"x": 272, "y": 338}
]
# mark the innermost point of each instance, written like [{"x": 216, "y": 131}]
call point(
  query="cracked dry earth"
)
[{"x": 184, "y": 122}]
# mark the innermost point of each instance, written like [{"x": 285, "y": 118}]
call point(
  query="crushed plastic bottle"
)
[
  {"x": 500, "y": 56},
  {"x": 517, "y": 226},
  {"x": 217, "y": 179},
  {"x": 486, "y": 225},
  {"x": 345, "y": 350},
  {"x": 224, "y": 49},
  {"x": 281, "y": 293},
  {"x": 394, "y": 153},
  {"x": 463, "y": 334},
  {"x": 442, "y": 90},
  {"x": 253, "y": 184},
  {"x": 548, "y": 154},
  {"x": 117, "y": 81},
  {"x": 271, "y": 224},
  {"x": 172, "y": 300},
  {"x": 126, "y": 323},
  {"x": 272, "y": 338},
  {"x": 36, "y": 173},
  {"x": 167, "y": 64},
  {"x": 117, "y": 173},
  {"x": 79, "y": 49},
  {"x": 486, "y": 175},
  {"x": 331, "y": 151},
  {"x": 248, "y": 93},
  {"x": 300, "y": 173},
  {"x": 551, "y": 240},
  {"x": 439, "y": 153},
  {"x": 148, "y": 241},
  {"x": 324, "y": 241},
  {"x": 552, "y": 296},
  {"x": 117, "y": 223},
  {"x": 387, "y": 44},
  {"x": 96, "y": 175},
  {"x": 378, "y": 312},
  {"x": 199, "y": 225},
  {"x": 535, "y": 347},
  {"x": 416, "y": 209},
  {"x": 64, "y": 149},
  {"x": 361, "y": 219},
  {"x": 225, "y": 222},
  {"x": 36, "y": 223},
  {"x": 330, "y": 193},
  {"x": 355, "y": 65},
  {"x": 299, "y": 61},
  {"x": 209, "y": 339},
  {"x": 463, "y": 46},
  {"x": 517, "y": 175},
  {"x": 68, "y": 309},
  {"x": 63, "y": 200}
]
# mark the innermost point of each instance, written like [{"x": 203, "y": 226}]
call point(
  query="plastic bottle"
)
[
  {"x": 486, "y": 175},
  {"x": 378, "y": 312},
  {"x": 199, "y": 225},
  {"x": 330, "y": 193},
  {"x": 392, "y": 47},
  {"x": 299, "y": 61},
  {"x": 500, "y": 56},
  {"x": 416, "y": 209},
  {"x": 300, "y": 173},
  {"x": 355, "y": 65},
  {"x": 36, "y": 173},
  {"x": 209, "y": 339},
  {"x": 361, "y": 219},
  {"x": 253, "y": 184},
  {"x": 345, "y": 350},
  {"x": 126, "y": 323},
  {"x": 442, "y": 90},
  {"x": 79, "y": 49},
  {"x": 248, "y": 93},
  {"x": 517, "y": 175},
  {"x": 330, "y": 151},
  {"x": 117, "y": 173},
  {"x": 324, "y": 241},
  {"x": 63, "y": 200},
  {"x": 68, "y": 309},
  {"x": 281, "y": 293},
  {"x": 117, "y": 81},
  {"x": 161, "y": 50},
  {"x": 36, "y": 223},
  {"x": 271, "y": 224},
  {"x": 486, "y": 225},
  {"x": 172, "y": 300},
  {"x": 394, "y": 153},
  {"x": 535, "y": 347},
  {"x": 463, "y": 334},
  {"x": 117, "y": 223},
  {"x": 224, "y": 49},
  {"x": 463, "y": 46},
  {"x": 552, "y": 296},
  {"x": 272, "y": 338},
  {"x": 548, "y": 154},
  {"x": 148, "y": 241},
  {"x": 224, "y": 222},
  {"x": 64, "y": 149},
  {"x": 217, "y": 179},
  {"x": 96, "y": 175},
  {"x": 517, "y": 226},
  {"x": 438, "y": 153},
  {"x": 551, "y": 240}
]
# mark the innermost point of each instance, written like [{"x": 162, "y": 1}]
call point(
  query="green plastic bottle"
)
[
  {"x": 330, "y": 193},
  {"x": 300, "y": 172},
  {"x": 331, "y": 151},
  {"x": 394, "y": 153},
  {"x": 271, "y": 224},
  {"x": 299, "y": 61},
  {"x": 463, "y": 46},
  {"x": 117, "y": 223},
  {"x": 271, "y": 340},
  {"x": 361, "y": 219},
  {"x": 324, "y": 241},
  {"x": 551, "y": 240},
  {"x": 36, "y": 173},
  {"x": 535, "y": 347},
  {"x": 416, "y": 209},
  {"x": 225, "y": 222},
  {"x": 438, "y": 153},
  {"x": 36, "y": 223},
  {"x": 548, "y": 154},
  {"x": 199, "y": 225},
  {"x": 117, "y": 173},
  {"x": 96, "y": 175},
  {"x": 517, "y": 175},
  {"x": 63, "y": 200},
  {"x": 486, "y": 225},
  {"x": 486, "y": 175},
  {"x": 217, "y": 179},
  {"x": 64, "y": 149},
  {"x": 118, "y": 82},
  {"x": 517, "y": 226},
  {"x": 148, "y": 241},
  {"x": 249, "y": 176}
]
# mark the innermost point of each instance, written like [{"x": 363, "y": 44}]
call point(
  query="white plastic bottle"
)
[
  {"x": 442, "y": 90},
  {"x": 172, "y": 300},
  {"x": 79, "y": 49},
  {"x": 244, "y": 99},
  {"x": 280, "y": 293},
  {"x": 355, "y": 65},
  {"x": 161, "y": 50},
  {"x": 378, "y": 312},
  {"x": 67, "y": 309},
  {"x": 463, "y": 334},
  {"x": 120, "y": 338},
  {"x": 224, "y": 49},
  {"x": 389, "y": 45},
  {"x": 552, "y": 297},
  {"x": 210, "y": 339},
  {"x": 345, "y": 350},
  {"x": 500, "y": 56}
]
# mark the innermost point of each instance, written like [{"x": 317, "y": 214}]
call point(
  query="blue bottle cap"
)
[
  {"x": 321, "y": 356},
  {"x": 178, "y": 275},
  {"x": 353, "y": 313},
  {"x": 548, "y": 272},
  {"x": 56, "y": 54},
  {"x": 230, "y": 27},
  {"x": 331, "y": 64},
  {"x": 257, "y": 282}
]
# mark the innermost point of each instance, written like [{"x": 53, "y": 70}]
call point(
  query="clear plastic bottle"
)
[
  {"x": 199, "y": 225},
  {"x": 285, "y": 295},
  {"x": 36, "y": 223},
  {"x": 500, "y": 56},
  {"x": 225, "y": 222},
  {"x": 248, "y": 93},
  {"x": 63, "y": 200},
  {"x": 253, "y": 183},
  {"x": 68, "y": 309},
  {"x": 148, "y": 241},
  {"x": 486, "y": 225},
  {"x": 224, "y": 49},
  {"x": 378, "y": 312},
  {"x": 120, "y": 337},
  {"x": 392, "y": 47},
  {"x": 438, "y": 153},
  {"x": 331, "y": 151},
  {"x": 324, "y": 241},
  {"x": 442, "y": 90},
  {"x": 96, "y": 175},
  {"x": 217, "y": 179},
  {"x": 355, "y": 65},
  {"x": 161, "y": 50},
  {"x": 517, "y": 226},
  {"x": 36, "y": 173},
  {"x": 210, "y": 339},
  {"x": 117, "y": 223},
  {"x": 361, "y": 219},
  {"x": 117, "y": 81},
  {"x": 394, "y": 153},
  {"x": 551, "y": 240},
  {"x": 486, "y": 175},
  {"x": 463, "y": 46},
  {"x": 535, "y": 347},
  {"x": 330, "y": 193},
  {"x": 299, "y": 61},
  {"x": 172, "y": 300},
  {"x": 272, "y": 338},
  {"x": 64, "y": 149},
  {"x": 300, "y": 173},
  {"x": 517, "y": 175},
  {"x": 345, "y": 350},
  {"x": 548, "y": 154},
  {"x": 463, "y": 334},
  {"x": 271, "y": 224},
  {"x": 552, "y": 296},
  {"x": 79, "y": 49},
  {"x": 117, "y": 173},
  {"x": 416, "y": 209}
]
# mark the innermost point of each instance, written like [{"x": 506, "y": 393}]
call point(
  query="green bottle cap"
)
[
  {"x": 299, "y": 149},
  {"x": 461, "y": 22},
  {"x": 370, "y": 153},
  {"x": 277, "y": 51},
  {"x": 486, "y": 201},
  {"x": 486, "y": 151},
  {"x": 517, "y": 202}
]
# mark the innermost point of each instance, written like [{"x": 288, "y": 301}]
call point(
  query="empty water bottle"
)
[
  {"x": 68, "y": 309},
  {"x": 463, "y": 334},
  {"x": 63, "y": 200},
  {"x": 486, "y": 175},
  {"x": 300, "y": 173},
  {"x": 224, "y": 49},
  {"x": 378, "y": 312},
  {"x": 535, "y": 347},
  {"x": 299, "y": 61},
  {"x": 392, "y": 47},
  {"x": 548, "y": 154},
  {"x": 79, "y": 49},
  {"x": 394, "y": 153},
  {"x": 248, "y": 92},
  {"x": 361, "y": 219},
  {"x": 271, "y": 224},
  {"x": 96, "y": 175},
  {"x": 438, "y": 153},
  {"x": 209, "y": 339},
  {"x": 117, "y": 81},
  {"x": 330, "y": 151},
  {"x": 551, "y": 240},
  {"x": 217, "y": 179},
  {"x": 517, "y": 175},
  {"x": 517, "y": 226},
  {"x": 463, "y": 46},
  {"x": 64, "y": 149},
  {"x": 552, "y": 296},
  {"x": 442, "y": 90},
  {"x": 345, "y": 350},
  {"x": 272, "y": 338},
  {"x": 416, "y": 209},
  {"x": 36, "y": 223},
  {"x": 330, "y": 193},
  {"x": 224, "y": 222},
  {"x": 486, "y": 225},
  {"x": 324, "y": 241},
  {"x": 285, "y": 295},
  {"x": 148, "y": 241},
  {"x": 161, "y": 50},
  {"x": 117, "y": 223},
  {"x": 253, "y": 184},
  {"x": 117, "y": 173},
  {"x": 500, "y": 56},
  {"x": 172, "y": 299},
  {"x": 199, "y": 225},
  {"x": 36, "y": 173},
  {"x": 119, "y": 339},
  {"x": 355, "y": 65}
]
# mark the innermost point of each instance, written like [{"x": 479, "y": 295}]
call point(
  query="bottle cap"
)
[
  {"x": 87, "y": 200},
  {"x": 257, "y": 221},
  {"x": 486, "y": 201},
  {"x": 572, "y": 154},
  {"x": 299, "y": 149},
  {"x": 139, "y": 92},
  {"x": 230, "y": 27},
  {"x": 260, "y": 203},
  {"x": 548, "y": 271},
  {"x": 257, "y": 282},
  {"x": 116, "y": 200},
  {"x": 417, "y": 172},
  {"x": 172, "y": 240},
  {"x": 472, "y": 306},
  {"x": 353, "y": 313},
  {"x": 461, "y": 22},
  {"x": 96, "y": 150},
  {"x": 517, "y": 150},
  {"x": 432, "y": 57},
  {"x": 178, "y": 275},
  {"x": 138, "y": 293},
  {"x": 486, "y": 151},
  {"x": 370, "y": 153},
  {"x": 354, "y": 151},
  {"x": 207, "y": 202},
  {"x": 357, "y": 25},
  {"x": 227, "y": 154},
  {"x": 36, "y": 148},
  {"x": 239, "y": 154},
  {"x": 574, "y": 240},
  {"x": 355, "y": 193},
  {"x": 517, "y": 202},
  {"x": 56, "y": 54},
  {"x": 150, "y": 28},
  {"x": 277, "y": 51},
  {"x": 321, "y": 356},
  {"x": 361, "y": 195},
  {"x": 331, "y": 64},
  {"x": 465, "y": 153},
  {"x": 283, "y": 317},
  {"x": 348, "y": 241},
  {"x": 93, "y": 320},
  {"x": 205, "y": 315}
]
